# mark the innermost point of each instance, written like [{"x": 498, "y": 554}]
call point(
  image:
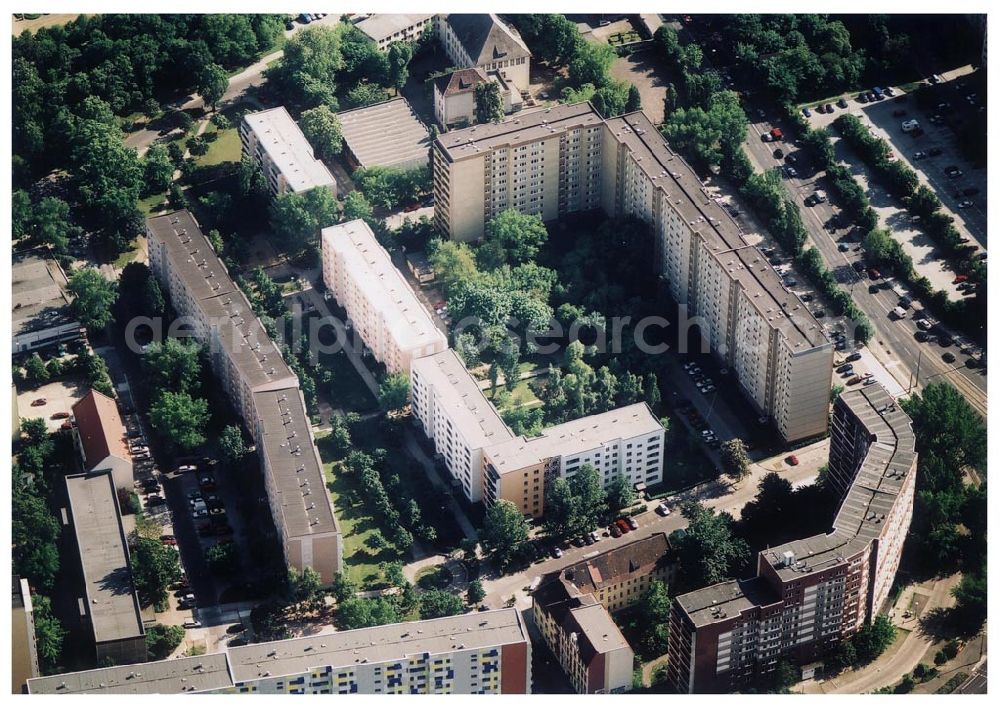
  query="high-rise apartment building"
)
[
  {"x": 259, "y": 384},
  {"x": 484, "y": 653},
  {"x": 568, "y": 159},
  {"x": 809, "y": 594},
  {"x": 284, "y": 154},
  {"x": 376, "y": 296}
]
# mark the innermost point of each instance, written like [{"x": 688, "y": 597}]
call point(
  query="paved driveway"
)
[
  {"x": 59, "y": 396},
  {"x": 644, "y": 70}
]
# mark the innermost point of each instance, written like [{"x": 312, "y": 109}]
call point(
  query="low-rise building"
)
[
  {"x": 40, "y": 305},
  {"x": 477, "y": 653},
  {"x": 385, "y": 29},
  {"x": 810, "y": 594},
  {"x": 386, "y": 134},
  {"x": 284, "y": 154},
  {"x": 420, "y": 267},
  {"x": 456, "y": 417},
  {"x": 583, "y": 637},
  {"x": 381, "y": 304},
  {"x": 485, "y": 41},
  {"x": 627, "y": 441},
  {"x": 100, "y": 438},
  {"x": 618, "y": 577},
  {"x": 455, "y": 96},
  {"x": 258, "y": 382},
  {"x": 23, "y": 649},
  {"x": 109, "y": 606}
]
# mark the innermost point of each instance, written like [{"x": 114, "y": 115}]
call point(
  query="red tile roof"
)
[{"x": 101, "y": 430}]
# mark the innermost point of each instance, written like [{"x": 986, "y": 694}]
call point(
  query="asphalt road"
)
[{"x": 893, "y": 343}]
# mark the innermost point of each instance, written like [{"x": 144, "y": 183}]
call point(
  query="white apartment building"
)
[
  {"x": 389, "y": 28},
  {"x": 485, "y": 41},
  {"x": 627, "y": 441},
  {"x": 258, "y": 382},
  {"x": 456, "y": 416},
  {"x": 568, "y": 159},
  {"x": 284, "y": 154},
  {"x": 480, "y": 653},
  {"x": 379, "y": 301}
]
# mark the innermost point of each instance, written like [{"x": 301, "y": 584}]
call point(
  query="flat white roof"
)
[
  {"x": 382, "y": 27},
  {"x": 574, "y": 437},
  {"x": 459, "y": 393},
  {"x": 291, "y": 153},
  {"x": 385, "y": 288}
]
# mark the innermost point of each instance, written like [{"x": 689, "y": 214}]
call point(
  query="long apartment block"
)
[
  {"x": 493, "y": 463},
  {"x": 487, "y": 653},
  {"x": 377, "y": 298},
  {"x": 286, "y": 158},
  {"x": 259, "y": 384},
  {"x": 809, "y": 594},
  {"x": 568, "y": 159}
]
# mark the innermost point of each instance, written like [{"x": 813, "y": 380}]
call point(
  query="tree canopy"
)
[
  {"x": 93, "y": 298},
  {"x": 179, "y": 419},
  {"x": 504, "y": 531}
]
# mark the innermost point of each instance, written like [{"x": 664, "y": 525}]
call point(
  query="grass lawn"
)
[
  {"x": 522, "y": 396},
  {"x": 224, "y": 148},
  {"x": 152, "y": 203},
  {"x": 129, "y": 255},
  {"x": 356, "y": 523}
]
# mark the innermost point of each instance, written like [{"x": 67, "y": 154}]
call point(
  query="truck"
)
[{"x": 899, "y": 313}]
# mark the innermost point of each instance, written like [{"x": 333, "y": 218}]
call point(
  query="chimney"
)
[{"x": 789, "y": 558}]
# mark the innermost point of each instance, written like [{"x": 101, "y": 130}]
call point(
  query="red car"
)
[
  {"x": 958, "y": 279},
  {"x": 874, "y": 274},
  {"x": 38, "y": 402},
  {"x": 792, "y": 460},
  {"x": 622, "y": 525},
  {"x": 60, "y": 415},
  {"x": 410, "y": 208},
  {"x": 168, "y": 540}
]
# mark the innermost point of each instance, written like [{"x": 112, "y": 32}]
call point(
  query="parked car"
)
[
  {"x": 38, "y": 402},
  {"x": 632, "y": 522},
  {"x": 199, "y": 513},
  {"x": 614, "y": 530},
  {"x": 948, "y": 357},
  {"x": 953, "y": 172},
  {"x": 806, "y": 112},
  {"x": 792, "y": 460},
  {"x": 778, "y": 154},
  {"x": 556, "y": 551},
  {"x": 856, "y": 356},
  {"x": 155, "y": 499},
  {"x": 842, "y": 102},
  {"x": 965, "y": 204},
  {"x": 168, "y": 540},
  {"x": 194, "y": 623},
  {"x": 207, "y": 482},
  {"x": 919, "y": 155},
  {"x": 663, "y": 509},
  {"x": 622, "y": 525},
  {"x": 862, "y": 97},
  {"x": 854, "y": 381},
  {"x": 909, "y": 126},
  {"x": 874, "y": 274}
]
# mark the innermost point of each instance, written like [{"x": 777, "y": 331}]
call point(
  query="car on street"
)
[
  {"x": 778, "y": 154},
  {"x": 806, "y": 112},
  {"x": 843, "y": 247},
  {"x": 199, "y": 513},
  {"x": 842, "y": 102},
  {"x": 965, "y": 204},
  {"x": 953, "y": 172},
  {"x": 623, "y": 526},
  {"x": 557, "y": 551},
  {"x": 632, "y": 522},
  {"x": 38, "y": 402},
  {"x": 856, "y": 356},
  {"x": 919, "y": 155},
  {"x": 874, "y": 274},
  {"x": 908, "y": 126},
  {"x": 854, "y": 381},
  {"x": 948, "y": 357},
  {"x": 614, "y": 530},
  {"x": 921, "y": 336},
  {"x": 663, "y": 509},
  {"x": 792, "y": 460}
]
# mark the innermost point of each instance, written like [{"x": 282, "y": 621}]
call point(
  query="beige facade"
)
[
  {"x": 568, "y": 159},
  {"x": 384, "y": 310},
  {"x": 23, "y": 650},
  {"x": 384, "y": 29},
  {"x": 485, "y": 41},
  {"x": 455, "y": 96},
  {"x": 284, "y": 154}
]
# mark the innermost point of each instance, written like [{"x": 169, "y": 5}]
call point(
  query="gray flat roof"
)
[
  {"x": 744, "y": 263},
  {"x": 107, "y": 575},
  {"x": 289, "y": 150},
  {"x": 386, "y": 134},
  {"x": 378, "y": 644},
  {"x": 38, "y": 294},
  {"x": 574, "y": 437},
  {"x": 198, "y": 674},
  {"x": 517, "y": 130},
  {"x": 294, "y": 462},
  {"x": 381, "y": 27},
  {"x": 208, "y": 283},
  {"x": 469, "y": 410},
  {"x": 874, "y": 491},
  {"x": 726, "y": 600}
]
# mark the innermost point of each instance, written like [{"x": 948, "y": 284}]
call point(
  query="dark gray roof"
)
[
  {"x": 386, "y": 134},
  {"x": 727, "y": 600},
  {"x": 107, "y": 574},
  {"x": 635, "y": 559},
  {"x": 460, "y": 81},
  {"x": 294, "y": 463},
  {"x": 486, "y": 38}
]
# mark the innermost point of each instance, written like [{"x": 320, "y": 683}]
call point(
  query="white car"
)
[
  {"x": 910, "y": 125},
  {"x": 965, "y": 204},
  {"x": 192, "y": 624},
  {"x": 663, "y": 509}
]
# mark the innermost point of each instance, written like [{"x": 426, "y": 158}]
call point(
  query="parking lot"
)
[{"x": 53, "y": 402}]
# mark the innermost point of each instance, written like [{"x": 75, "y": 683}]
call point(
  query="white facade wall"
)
[{"x": 638, "y": 459}]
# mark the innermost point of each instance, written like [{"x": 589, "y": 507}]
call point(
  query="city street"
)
[{"x": 894, "y": 343}]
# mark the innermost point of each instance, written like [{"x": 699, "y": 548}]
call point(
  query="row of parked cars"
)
[{"x": 701, "y": 380}]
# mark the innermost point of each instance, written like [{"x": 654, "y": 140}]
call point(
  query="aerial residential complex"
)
[
  {"x": 108, "y": 600},
  {"x": 568, "y": 159},
  {"x": 260, "y": 385},
  {"x": 571, "y": 610},
  {"x": 478, "y": 653},
  {"x": 285, "y": 157},
  {"x": 809, "y": 594},
  {"x": 381, "y": 304},
  {"x": 492, "y": 463}
]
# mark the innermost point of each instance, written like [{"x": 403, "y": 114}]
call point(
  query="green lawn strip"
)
[{"x": 224, "y": 148}]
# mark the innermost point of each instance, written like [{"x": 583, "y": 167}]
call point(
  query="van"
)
[
  {"x": 899, "y": 313},
  {"x": 819, "y": 196}
]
